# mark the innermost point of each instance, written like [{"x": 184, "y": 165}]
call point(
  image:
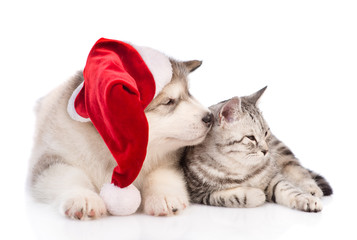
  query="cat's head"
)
[{"x": 239, "y": 130}]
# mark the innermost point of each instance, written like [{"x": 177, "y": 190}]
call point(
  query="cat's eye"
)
[
  {"x": 267, "y": 132},
  {"x": 251, "y": 137}
]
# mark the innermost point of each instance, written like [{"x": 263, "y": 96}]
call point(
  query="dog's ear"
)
[{"x": 192, "y": 65}]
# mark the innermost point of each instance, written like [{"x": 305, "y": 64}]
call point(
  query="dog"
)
[{"x": 70, "y": 162}]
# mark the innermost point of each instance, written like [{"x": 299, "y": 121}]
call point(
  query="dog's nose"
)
[{"x": 208, "y": 119}]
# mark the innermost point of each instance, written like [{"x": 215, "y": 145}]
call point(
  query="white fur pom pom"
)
[{"x": 120, "y": 201}]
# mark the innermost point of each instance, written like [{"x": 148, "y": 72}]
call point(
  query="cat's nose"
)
[
  {"x": 263, "y": 146},
  {"x": 208, "y": 119}
]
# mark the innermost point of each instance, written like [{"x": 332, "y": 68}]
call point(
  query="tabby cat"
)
[{"x": 242, "y": 164}]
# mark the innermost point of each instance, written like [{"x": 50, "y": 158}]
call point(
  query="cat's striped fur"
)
[{"x": 241, "y": 164}]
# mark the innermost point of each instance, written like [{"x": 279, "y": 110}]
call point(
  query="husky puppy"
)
[{"x": 70, "y": 162}]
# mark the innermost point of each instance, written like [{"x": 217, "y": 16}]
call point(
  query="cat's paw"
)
[
  {"x": 307, "y": 203},
  {"x": 83, "y": 205},
  {"x": 255, "y": 197},
  {"x": 165, "y": 205},
  {"x": 311, "y": 188}
]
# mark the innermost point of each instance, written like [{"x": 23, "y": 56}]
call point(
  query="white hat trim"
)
[
  {"x": 158, "y": 64},
  {"x": 71, "y": 109}
]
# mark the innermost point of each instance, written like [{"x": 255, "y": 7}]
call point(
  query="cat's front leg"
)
[
  {"x": 283, "y": 192},
  {"x": 164, "y": 192},
  {"x": 301, "y": 177},
  {"x": 310, "y": 186},
  {"x": 237, "y": 197},
  {"x": 291, "y": 168}
]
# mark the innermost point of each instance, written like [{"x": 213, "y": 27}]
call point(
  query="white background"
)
[{"x": 305, "y": 51}]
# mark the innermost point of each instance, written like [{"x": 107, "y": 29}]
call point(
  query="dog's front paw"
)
[
  {"x": 165, "y": 205},
  {"x": 307, "y": 203},
  {"x": 83, "y": 205}
]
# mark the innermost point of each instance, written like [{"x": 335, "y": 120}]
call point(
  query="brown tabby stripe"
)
[
  {"x": 287, "y": 152},
  {"x": 274, "y": 189},
  {"x": 194, "y": 179},
  {"x": 276, "y": 142},
  {"x": 211, "y": 164},
  {"x": 219, "y": 145},
  {"x": 222, "y": 201},
  {"x": 206, "y": 200},
  {"x": 237, "y": 199},
  {"x": 322, "y": 183},
  {"x": 247, "y": 177},
  {"x": 290, "y": 163}
]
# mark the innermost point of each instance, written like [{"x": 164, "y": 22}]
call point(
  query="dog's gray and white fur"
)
[{"x": 70, "y": 162}]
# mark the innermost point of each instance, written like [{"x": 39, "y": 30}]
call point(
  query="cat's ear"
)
[
  {"x": 254, "y": 98},
  {"x": 230, "y": 111}
]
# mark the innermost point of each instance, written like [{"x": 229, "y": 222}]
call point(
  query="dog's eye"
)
[{"x": 169, "y": 101}]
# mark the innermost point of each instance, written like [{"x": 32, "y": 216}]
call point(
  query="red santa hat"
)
[{"x": 120, "y": 80}]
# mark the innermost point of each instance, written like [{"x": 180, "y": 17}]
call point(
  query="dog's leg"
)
[
  {"x": 70, "y": 190},
  {"x": 164, "y": 193}
]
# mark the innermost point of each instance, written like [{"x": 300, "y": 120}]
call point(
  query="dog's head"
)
[{"x": 175, "y": 118}]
